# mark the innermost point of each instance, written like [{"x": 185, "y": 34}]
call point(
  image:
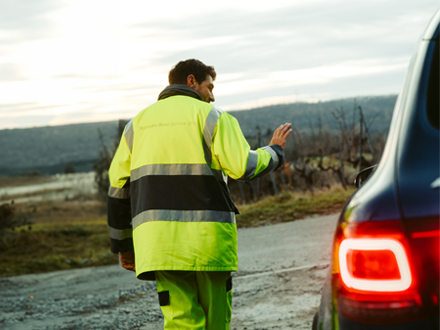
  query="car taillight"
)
[
  {"x": 373, "y": 274},
  {"x": 374, "y": 264}
]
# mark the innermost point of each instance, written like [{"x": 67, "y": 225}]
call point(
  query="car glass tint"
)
[{"x": 433, "y": 107}]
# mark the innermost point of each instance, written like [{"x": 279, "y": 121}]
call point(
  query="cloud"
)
[
  {"x": 342, "y": 87},
  {"x": 22, "y": 20},
  {"x": 29, "y": 121},
  {"x": 23, "y": 109},
  {"x": 292, "y": 37},
  {"x": 84, "y": 76},
  {"x": 115, "y": 62},
  {"x": 12, "y": 72}
]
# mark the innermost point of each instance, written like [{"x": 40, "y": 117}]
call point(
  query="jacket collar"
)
[{"x": 178, "y": 89}]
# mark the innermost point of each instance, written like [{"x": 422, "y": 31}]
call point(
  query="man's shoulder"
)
[{"x": 178, "y": 103}]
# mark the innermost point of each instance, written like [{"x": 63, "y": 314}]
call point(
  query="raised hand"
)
[{"x": 281, "y": 134}]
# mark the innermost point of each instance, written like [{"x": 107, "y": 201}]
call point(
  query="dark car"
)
[{"x": 384, "y": 271}]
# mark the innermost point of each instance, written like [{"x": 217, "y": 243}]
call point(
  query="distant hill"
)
[
  {"x": 47, "y": 150},
  {"x": 377, "y": 109}
]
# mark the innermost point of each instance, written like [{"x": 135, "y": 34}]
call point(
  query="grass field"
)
[
  {"x": 51, "y": 246},
  {"x": 55, "y": 244},
  {"x": 292, "y": 206}
]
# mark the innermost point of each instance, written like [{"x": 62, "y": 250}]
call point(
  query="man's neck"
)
[{"x": 178, "y": 89}]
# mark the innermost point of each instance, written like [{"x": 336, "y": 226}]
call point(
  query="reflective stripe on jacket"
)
[{"x": 168, "y": 195}]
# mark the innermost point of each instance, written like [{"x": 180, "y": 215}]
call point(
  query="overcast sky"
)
[{"x": 79, "y": 61}]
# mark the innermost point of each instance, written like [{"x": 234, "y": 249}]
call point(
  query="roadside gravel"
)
[{"x": 282, "y": 268}]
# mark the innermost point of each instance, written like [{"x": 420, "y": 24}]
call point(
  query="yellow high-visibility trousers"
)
[{"x": 192, "y": 300}]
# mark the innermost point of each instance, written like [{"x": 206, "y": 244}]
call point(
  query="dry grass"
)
[
  {"x": 292, "y": 206},
  {"x": 26, "y": 180},
  {"x": 66, "y": 234},
  {"x": 71, "y": 234},
  {"x": 55, "y": 246},
  {"x": 70, "y": 211}
]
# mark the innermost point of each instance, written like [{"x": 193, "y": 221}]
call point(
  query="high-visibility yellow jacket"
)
[{"x": 168, "y": 196}]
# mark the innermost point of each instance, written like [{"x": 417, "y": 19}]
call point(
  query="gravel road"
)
[{"x": 281, "y": 272}]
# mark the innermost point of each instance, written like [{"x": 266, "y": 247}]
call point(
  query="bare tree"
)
[
  {"x": 306, "y": 171},
  {"x": 10, "y": 219},
  {"x": 106, "y": 154},
  {"x": 324, "y": 149},
  {"x": 337, "y": 170}
]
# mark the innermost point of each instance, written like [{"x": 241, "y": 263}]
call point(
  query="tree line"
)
[{"x": 315, "y": 158}]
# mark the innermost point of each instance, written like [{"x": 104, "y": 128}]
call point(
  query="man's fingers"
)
[
  {"x": 127, "y": 260},
  {"x": 287, "y": 132},
  {"x": 283, "y": 130},
  {"x": 281, "y": 134}
]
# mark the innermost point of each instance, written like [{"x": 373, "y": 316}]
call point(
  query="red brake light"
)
[
  {"x": 385, "y": 273},
  {"x": 374, "y": 264}
]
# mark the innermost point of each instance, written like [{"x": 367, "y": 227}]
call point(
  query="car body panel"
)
[
  {"x": 417, "y": 161},
  {"x": 401, "y": 189},
  {"x": 424, "y": 242},
  {"x": 431, "y": 28},
  {"x": 345, "y": 324},
  {"x": 417, "y": 167}
]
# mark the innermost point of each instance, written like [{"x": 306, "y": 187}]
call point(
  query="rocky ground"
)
[{"x": 282, "y": 268}]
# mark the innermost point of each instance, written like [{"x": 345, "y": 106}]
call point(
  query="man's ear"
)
[{"x": 191, "y": 81}]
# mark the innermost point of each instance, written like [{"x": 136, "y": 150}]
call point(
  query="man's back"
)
[
  {"x": 170, "y": 132},
  {"x": 169, "y": 207},
  {"x": 182, "y": 215}
]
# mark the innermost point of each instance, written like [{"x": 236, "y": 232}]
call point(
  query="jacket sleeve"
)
[
  {"x": 118, "y": 199},
  {"x": 235, "y": 156}
]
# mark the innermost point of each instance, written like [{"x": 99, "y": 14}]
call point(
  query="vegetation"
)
[
  {"x": 47, "y": 150},
  {"x": 300, "y": 114},
  {"x": 321, "y": 156},
  {"x": 10, "y": 219},
  {"x": 325, "y": 152},
  {"x": 290, "y": 206},
  {"x": 56, "y": 246},
  {"x": 106, "y": 154}
]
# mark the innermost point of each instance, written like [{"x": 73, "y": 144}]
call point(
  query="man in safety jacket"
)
[{"x": 170, "y": 214}]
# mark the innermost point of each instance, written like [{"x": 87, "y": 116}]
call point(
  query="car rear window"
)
[{"x": 433, "y": 107}]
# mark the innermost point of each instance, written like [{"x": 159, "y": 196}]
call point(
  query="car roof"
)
[{"x": 431, "y": 30}]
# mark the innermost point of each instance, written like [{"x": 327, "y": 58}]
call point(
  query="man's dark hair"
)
[{"x": 183, "y": 69}]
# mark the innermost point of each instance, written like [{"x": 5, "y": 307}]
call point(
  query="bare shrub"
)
[
  {"x": 318, "y": 157},
  {"x": 10, "y": 219},
  {"x": 69, "y": 169},
  {"x": 106, "y": 154}
]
